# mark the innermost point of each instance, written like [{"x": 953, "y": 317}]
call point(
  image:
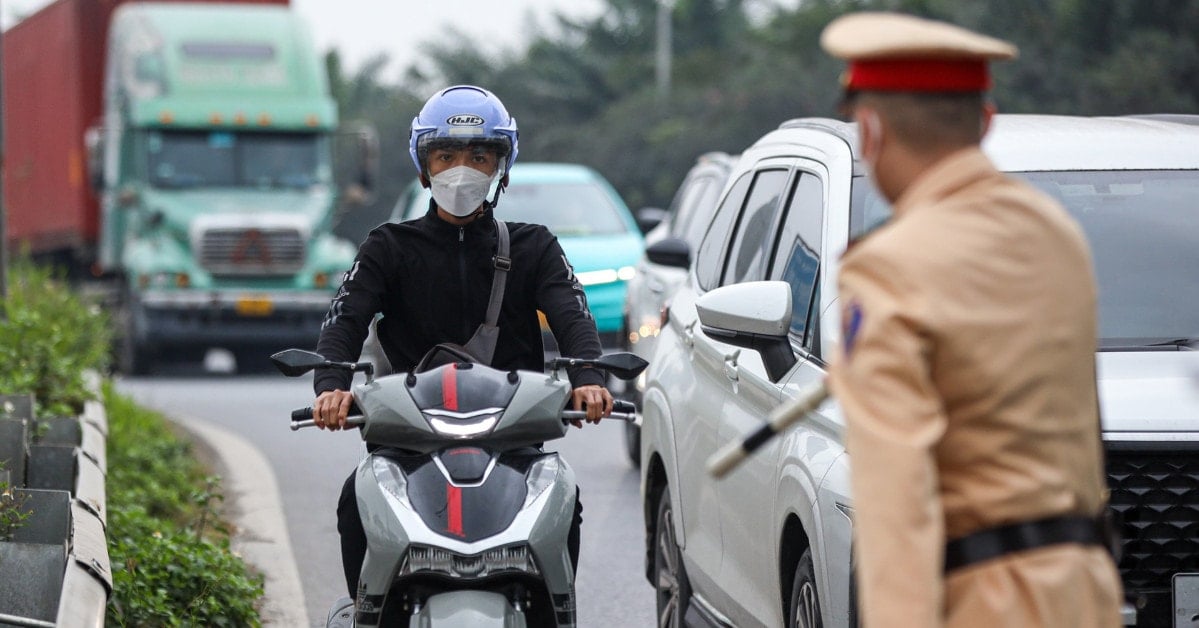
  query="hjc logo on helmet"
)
[{"x": 464, "y": 119}]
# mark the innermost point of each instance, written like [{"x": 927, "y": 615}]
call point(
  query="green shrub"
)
[
  {"x": 49, "y": 337},
  {"x": 12, "y": 513},
  {"x": 171, "y": 561}
]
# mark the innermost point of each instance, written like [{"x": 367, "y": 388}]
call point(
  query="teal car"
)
[{"x": 595, "y": 227}]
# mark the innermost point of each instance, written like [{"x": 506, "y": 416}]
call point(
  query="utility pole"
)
[{"x": 665, "y": 54}]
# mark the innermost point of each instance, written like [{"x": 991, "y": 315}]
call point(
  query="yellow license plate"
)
[
  {"x": 255, "y": 306},
  {"x": 545, "y": 325}
]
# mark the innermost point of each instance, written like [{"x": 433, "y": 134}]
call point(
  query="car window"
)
[
  {"x": 753, "y": 237},
  {"x": 707, "y": 260},
  {"x": 567, "y": 209},
  {"x": 798, "y": 258},
  {"x": 868, "y": 209},
  {"x": 1142, "y": 231},
  {"x": 700, "y": 214},
  {"x": 682, "y": 211}
]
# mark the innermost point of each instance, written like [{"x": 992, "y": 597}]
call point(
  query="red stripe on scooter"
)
[
  {"x": 453, "y": 506},
  {"x": 449, "y": 387}
]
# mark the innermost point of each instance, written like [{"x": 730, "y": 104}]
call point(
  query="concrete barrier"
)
[{"x": 54, "y": 570}]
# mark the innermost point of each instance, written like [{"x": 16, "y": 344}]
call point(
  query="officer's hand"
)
[
  {"x": 593, "y": 398},
  {"x": 331, "y": 408}
]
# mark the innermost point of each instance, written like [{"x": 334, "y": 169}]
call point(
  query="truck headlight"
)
[{"x": 435, "y": 560}]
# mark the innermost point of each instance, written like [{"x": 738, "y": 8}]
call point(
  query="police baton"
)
[{"x": 780, "y": 419}]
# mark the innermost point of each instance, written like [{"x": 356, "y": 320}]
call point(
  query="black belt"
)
[{"x": 1017, "y": 537}]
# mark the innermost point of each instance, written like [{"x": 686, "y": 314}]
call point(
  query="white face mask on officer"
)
[{"x": 461, "y": 190}]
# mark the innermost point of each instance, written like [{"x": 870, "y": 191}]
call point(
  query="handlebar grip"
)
[
  {"x": 624, "y": 407},
  {"x": 302, "y": 414}
]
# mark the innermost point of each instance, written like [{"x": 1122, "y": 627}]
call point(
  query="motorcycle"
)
[{"x": 466, "y": 517}]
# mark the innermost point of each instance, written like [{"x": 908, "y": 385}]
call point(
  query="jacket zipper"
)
[{"x": 462, "y": 281}]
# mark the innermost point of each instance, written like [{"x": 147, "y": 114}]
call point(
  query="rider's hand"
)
[
  {"x": 593, "y": 398},
  {"x": 331, "y": 408}
]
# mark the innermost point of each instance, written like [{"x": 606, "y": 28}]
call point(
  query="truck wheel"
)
[
  {"x": 805, "y": 604},
  {"x": 134, "y": 359},
  {"x": 671, "y": 586}
]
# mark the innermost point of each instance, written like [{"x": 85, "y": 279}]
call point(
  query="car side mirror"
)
[
  {"x": 755, "y": 315},
  {"x": 650, "y": 217},
  {"x": 670, "y": 252}
]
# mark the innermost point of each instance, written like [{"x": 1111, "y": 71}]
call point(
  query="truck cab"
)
[{"x": 214, "y": 171}]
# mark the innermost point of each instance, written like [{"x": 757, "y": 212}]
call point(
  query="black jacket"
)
[{"x": 432, "y": 282}]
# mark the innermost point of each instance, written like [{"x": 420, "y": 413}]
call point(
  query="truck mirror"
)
[
  {"x": 93, "y": 140},
  {"x": 361, "y": 142}
]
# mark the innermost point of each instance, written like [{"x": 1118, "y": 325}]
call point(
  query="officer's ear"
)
[
  {"x": 424, "y": 181},
  {"x": 988, "y": 114}
]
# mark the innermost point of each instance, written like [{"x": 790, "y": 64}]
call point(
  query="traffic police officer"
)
[{"x": 967, "y": 369}]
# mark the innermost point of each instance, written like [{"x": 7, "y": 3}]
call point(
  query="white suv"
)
[{"x": 769, "y": 544}]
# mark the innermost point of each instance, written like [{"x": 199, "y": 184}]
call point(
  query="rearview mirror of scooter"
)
[
  {"x": 621, "y": 365},
  {"x": 296, "y": 362}
]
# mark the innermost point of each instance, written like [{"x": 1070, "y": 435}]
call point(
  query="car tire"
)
[
  {"x": 672, "y": 590},
  {"x": 632, "y": 443},
  {"x": 804, "y": 605}
]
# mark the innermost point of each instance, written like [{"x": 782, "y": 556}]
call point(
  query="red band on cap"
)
[{"x": 919, "y": 75}]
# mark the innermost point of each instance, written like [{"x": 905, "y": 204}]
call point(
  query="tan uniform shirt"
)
[{"x": 967, "y": 378}]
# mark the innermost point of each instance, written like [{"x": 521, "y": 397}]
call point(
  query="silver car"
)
[
  {"x": 684, "y": 224},
  {"x": 769, "y": 544}
]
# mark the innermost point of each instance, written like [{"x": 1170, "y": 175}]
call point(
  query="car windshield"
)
[
  {"x": 566, "y": 209},
  {"x": 1143, "y": 230},
  {"x": 184, "y": 159}
]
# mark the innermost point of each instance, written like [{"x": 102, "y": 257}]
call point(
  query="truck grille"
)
[
  {"x": 1156, "y": 497},
  {"x": 257, "y": 252}
]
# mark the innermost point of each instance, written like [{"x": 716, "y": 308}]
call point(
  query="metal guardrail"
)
[{"x": 55, "y": 570}]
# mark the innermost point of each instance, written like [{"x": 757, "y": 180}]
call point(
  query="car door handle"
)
[
  {"x": 655, "y": 287},
  {"x": 730, "y": 365},
  {"x": 689, "y": 333}
]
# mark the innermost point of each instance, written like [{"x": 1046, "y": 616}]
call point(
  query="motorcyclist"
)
[{"x": 431, "y": 279}]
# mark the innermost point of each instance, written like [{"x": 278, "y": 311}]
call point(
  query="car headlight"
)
[
  {"x": 607, "y": 275},
  {"x": 422, "y": 559}
]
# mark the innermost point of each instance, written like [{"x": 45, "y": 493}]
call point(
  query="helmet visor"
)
[{"x": 497, "y": 147}]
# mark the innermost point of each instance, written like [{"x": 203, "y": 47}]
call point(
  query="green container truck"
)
[{"x": 209, "y": 146}]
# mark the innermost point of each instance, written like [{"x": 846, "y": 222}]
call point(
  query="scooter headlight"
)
[
  {"x": 463, "y": 424},
  {"x": 540, "y": 477},
  {"x": 391, "y": 479},
  {"x": 421, "y": 559}
]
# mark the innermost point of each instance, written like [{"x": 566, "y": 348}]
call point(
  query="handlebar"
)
[
  {"x": 302, "y": 417},
  {"x": 621, "y": 411}
]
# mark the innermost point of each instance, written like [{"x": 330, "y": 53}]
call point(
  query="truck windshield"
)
[
  {"x": 1143, "y": 230},
  {"x": 185, "y": 159}
]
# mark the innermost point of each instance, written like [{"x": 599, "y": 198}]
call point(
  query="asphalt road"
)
[{"x": 310, "y": 467}]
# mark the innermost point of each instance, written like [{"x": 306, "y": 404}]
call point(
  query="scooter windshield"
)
[{"x": 463, "y": 388}]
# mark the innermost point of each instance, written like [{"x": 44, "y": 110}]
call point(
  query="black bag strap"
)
[
  {"x": 503, "y": 263},
  {"x": 486, "y": 336}
]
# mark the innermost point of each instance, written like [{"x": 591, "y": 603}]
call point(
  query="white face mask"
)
[{"x": 461, "y": 189}]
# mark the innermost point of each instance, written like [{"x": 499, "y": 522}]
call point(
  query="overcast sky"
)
[{"x": 361, "y": 28}]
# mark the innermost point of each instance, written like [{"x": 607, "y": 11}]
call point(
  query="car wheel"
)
[
  {"x": 632, "y": 443},
  {"x": 673, "y": 590},
  {"x": 805, "y": 604}
]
